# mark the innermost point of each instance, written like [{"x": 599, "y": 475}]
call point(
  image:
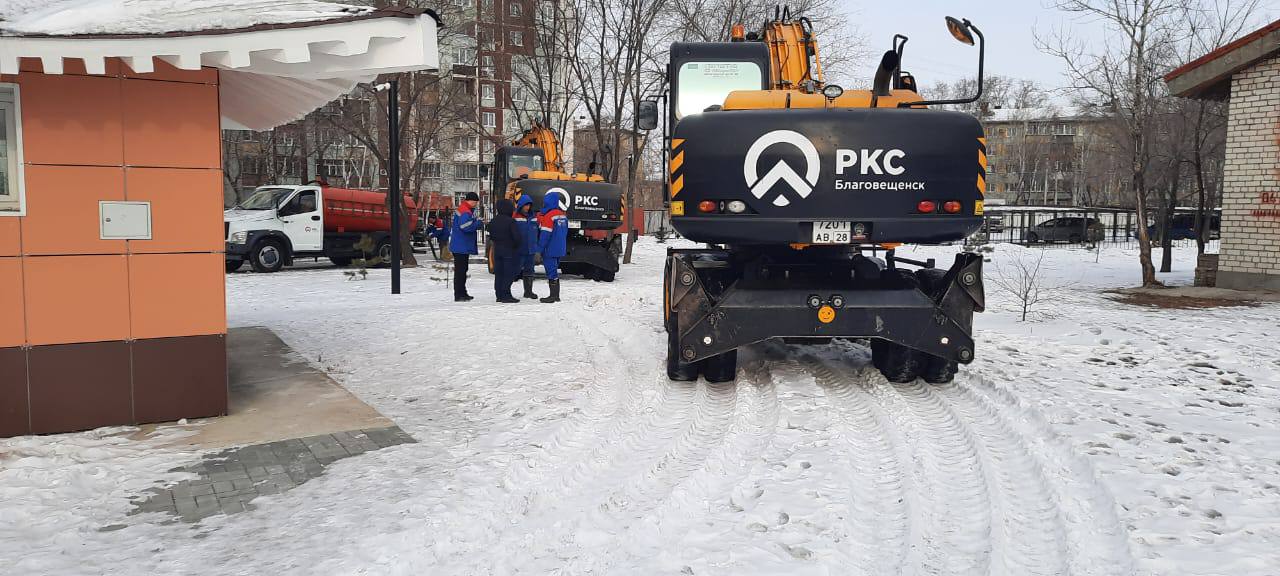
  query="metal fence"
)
[{"x": 1029, "y": 225}]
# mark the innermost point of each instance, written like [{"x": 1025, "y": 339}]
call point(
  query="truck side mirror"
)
[{"x": 647, "y": 115}]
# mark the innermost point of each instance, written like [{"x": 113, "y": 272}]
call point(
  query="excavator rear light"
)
[
  {"x": 951, "y": 207},
  {"x": 926, "y": 207},
  {"x": 736, "y": 207},
  {"x": 707, "y": 206}
]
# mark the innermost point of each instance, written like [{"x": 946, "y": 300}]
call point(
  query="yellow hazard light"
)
[
  {"x": 977, "y": 208},
  {"x": 826, "y": 314},
  {"x": 677, "y": 207}
]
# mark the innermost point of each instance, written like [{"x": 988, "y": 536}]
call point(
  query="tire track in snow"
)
[
  {"x": 1094, "y": 538},
  {"x": 661, "y": 522},
  {"x": 989, "y": 486},
  {"x": 879, "y": 516},
  {"x": 608, "y": 469}
]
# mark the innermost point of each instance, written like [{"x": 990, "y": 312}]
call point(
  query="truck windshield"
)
[
  {"x": 704, "y": 84},
  {"x": 520, "y": 164},
  {"x": 264, "y": 199}
]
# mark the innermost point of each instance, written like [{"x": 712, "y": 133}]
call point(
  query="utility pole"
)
[{"x": 393, "y": 173}]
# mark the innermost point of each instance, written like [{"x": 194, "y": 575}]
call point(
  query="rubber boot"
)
[
  {"x": 555, "y": 292},
  {"x": 528, "y": 288}
]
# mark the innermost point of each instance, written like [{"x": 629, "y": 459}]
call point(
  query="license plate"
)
[
  {"x": 828, "y": 232},
  {"x": 575, "y": 224}
]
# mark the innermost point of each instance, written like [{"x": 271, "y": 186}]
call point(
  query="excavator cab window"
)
[
  {"x": 522, "y": 164},
  {"x": 706, "y": 84}
]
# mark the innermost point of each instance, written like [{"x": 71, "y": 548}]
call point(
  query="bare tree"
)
[
  {"x": 615, "y": 41},
  {"x": 1211, "y": 26},
  {"x": 1124, "y": 75},
  {"x": 544, "y": 89},
  {"x": 1019, "y": 276},
  {"x": 841, "y": 45}
]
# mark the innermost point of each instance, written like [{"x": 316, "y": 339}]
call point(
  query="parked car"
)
[
  {"x": 1073, "y": 229},
  {"x": 994, "y": 224},
  {"x": 1183, "y": 227}
]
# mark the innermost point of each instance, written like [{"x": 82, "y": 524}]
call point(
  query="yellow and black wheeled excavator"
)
[
  {"x": 532, "y": 164},
  {"x": 801, "y": 191}
]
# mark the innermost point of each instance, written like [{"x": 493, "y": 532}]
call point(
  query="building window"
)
[
  {"x": 460, "y": 3},
  {"x": 487, "y": 92},
  {"x": 486, "y": 7},
  {"x": 489, "y": 119},
  {"x": 430, "y": 169},
  {"x": 468, "y": 143},
  {"x": 517, "y": 39},
  {"x": 515, "y": 9},
  {"x": 463, "y": 55},
  {"x": 12, "y": 188},
  {"x": 330, "y": 168},
  {"x": 466, "y": 171}
]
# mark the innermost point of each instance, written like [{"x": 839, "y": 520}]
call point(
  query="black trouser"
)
[
  {"x": 460, "y": 264},
  {"x": 504, "y": 273}
]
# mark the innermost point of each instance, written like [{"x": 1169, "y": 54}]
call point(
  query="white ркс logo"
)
[{"x": 781, "y": 171}]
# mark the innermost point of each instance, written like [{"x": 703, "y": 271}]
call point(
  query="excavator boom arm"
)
[{"x": 540, "y": 136}]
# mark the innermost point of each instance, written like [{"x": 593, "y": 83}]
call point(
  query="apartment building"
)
[{"x": 1051, "y": 156}]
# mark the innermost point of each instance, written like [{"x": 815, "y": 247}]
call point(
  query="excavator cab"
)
[{"x": 511, "y": 163}]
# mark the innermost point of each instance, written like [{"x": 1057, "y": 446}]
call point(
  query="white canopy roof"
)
[{"x": 283, "y": 64}]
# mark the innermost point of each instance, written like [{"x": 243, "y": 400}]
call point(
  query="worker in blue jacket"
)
[
  {"x": 553, "y": 236},
  {"x": 527, "y": 220},
  {"x": 462, "y": 242}
]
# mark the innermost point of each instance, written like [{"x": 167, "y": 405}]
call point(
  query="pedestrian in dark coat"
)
[
  {"x": 508, "y": 242},
  {"x": 462, "y": 242}
]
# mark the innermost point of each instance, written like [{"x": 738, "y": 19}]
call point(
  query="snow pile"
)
[
  {"x": 68, "y": 17},
  {"x": 1100, "y": 438}
]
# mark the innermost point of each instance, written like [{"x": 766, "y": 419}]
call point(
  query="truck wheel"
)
[
  {"x": 340, "y": 261},
  {"x": 677, "y": 368},
  {"x": 721, "y": 368},
  {"x": 384, "y": 252},
  {"x": 267, "y": 256},
  {"x": 233, "y": 265},
  {"x": 896, "y": 362},
  {"x": 938, "y": 370}
]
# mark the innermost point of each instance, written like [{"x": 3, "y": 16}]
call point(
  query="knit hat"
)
[{"x": 472, "y": 196}]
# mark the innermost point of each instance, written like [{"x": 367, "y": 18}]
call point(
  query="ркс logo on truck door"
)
[{"x": 781, "y": 171}]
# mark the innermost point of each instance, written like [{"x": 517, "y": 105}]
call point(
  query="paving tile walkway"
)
[{"x": 229, "y": 480}]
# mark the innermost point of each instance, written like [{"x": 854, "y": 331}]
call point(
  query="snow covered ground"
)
[{"x": 1097, "y": 438}]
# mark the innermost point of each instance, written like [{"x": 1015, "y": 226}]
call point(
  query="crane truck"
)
[
  {"x": 532, "y": 164},
  {"x": 801, "y": 192}
]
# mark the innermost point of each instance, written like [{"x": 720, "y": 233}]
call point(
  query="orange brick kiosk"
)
[{"x": 112, "y": 293}]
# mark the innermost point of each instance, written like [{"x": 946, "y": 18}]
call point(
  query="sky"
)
[{"x": 1010, "y": 27}]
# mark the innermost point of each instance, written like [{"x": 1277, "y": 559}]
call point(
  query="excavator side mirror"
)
[
  {"x": 647, "y": 115},
  {"x": 959, "y": 30}
]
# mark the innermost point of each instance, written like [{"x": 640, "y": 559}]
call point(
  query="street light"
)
[{"x": 393, "y": 174}]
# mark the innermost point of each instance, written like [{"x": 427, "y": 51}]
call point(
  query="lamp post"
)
[{"x": 393, "y": 173}]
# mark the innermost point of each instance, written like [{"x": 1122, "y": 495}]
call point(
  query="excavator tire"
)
[
  {"x": 896, "y": 362},
  {"x": 938, "y": 370},
  {"x": 721, "y": 368},
  {"x": 678, "y": 369}
]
